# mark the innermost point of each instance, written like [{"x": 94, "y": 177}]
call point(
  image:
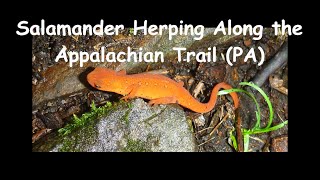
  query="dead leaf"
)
[
  {"x": 277, "y": 83},
  {"x": 199, "y": 88},
  {"x": 40, "y": 134}
]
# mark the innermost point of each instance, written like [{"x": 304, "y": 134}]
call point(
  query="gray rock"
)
[{"x": 162, "y": 128}]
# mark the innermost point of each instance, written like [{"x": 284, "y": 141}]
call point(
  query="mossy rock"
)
[{"x": 127, "y": 127}]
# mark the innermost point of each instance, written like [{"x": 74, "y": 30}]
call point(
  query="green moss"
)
[
  {"x": 130, "y": 105},
  {"x": 67, "y": 146},
  {"x": 136, "y": 146},
  {"x": 126, "y": 115},
  {"x": 82, "y": 129},
  {"x": 131, "y": 30},
  {"x": 139, "y": 145},
  {"x": 86, "y": 136},
  {"x": 189, "y": 121},
  {"x": 77, "y": 122}
]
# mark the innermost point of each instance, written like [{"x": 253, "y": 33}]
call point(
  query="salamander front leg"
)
[
  {"x": 132, "y": 91},
  {"x": 164, "y": 100}
]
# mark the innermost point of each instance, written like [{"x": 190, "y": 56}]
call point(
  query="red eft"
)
[{"x": 159, "y": 89}]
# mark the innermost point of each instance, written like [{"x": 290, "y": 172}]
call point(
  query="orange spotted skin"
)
[{"x": 158, "y": 88}]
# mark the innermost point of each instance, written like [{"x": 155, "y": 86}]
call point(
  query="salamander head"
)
[{"x": 102, "y": 78}]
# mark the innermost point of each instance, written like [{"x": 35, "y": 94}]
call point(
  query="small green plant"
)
[
  {"x": 85, "y": 118},
  {"x": 131, "y": 30},
  {"x": 189, "y": 121},
  {"x": 257, "y": 128}
]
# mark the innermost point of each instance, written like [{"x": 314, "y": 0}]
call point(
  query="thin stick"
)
[
  {"x": 238, "y": 130},
  {"x": 221, "y": 114},
  {"x": 204, "y": 129},
  {"x": 218, "y": 125},
  {"x": 257, "y": 139},
  {"x": 215, "y": 128},
  {"x": 280, "y": 117}
]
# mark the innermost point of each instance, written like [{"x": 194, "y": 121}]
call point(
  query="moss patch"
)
[
  {"x": 85, "y": 118},
  {"x": 126, "y": 115},
  {"x": 81, "y": 130},
  {"x": 67, "y": 146},
  {"x": 136, "y": 146},
  {"x": 84, "y": 137},
  {"x": 189, "y": 121}
]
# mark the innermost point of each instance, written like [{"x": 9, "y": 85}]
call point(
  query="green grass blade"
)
[
  {"x": 273, "y": 128},
  {"x": 258, "y": 112},
  {"x": 246, "y": 142},
  {"x": 264, "y": 96},
  {"x": 257, "y": 129},
  {"x": 233, "y": 140}
]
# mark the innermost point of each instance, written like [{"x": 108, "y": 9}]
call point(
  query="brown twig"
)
[
  {"x": 238, "y": 130},
  {"x": 215, "y": 128},
  {"x": 218, "y": 125},
  {"x": 272, "y": 65}
]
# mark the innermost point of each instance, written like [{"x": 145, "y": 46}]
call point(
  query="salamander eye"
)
[{"x": 97, "y": 86}]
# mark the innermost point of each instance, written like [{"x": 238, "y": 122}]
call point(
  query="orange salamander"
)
[{"x": 159, "y": 89}]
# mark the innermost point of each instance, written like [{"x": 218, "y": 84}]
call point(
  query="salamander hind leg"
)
[{"x": 164, "y": 100}]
